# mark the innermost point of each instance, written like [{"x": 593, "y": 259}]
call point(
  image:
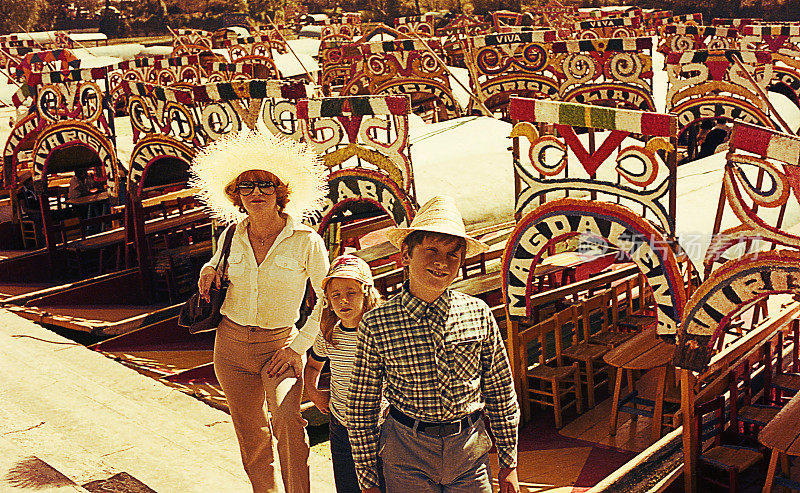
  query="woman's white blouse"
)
[{"x": 269, "y": 295}]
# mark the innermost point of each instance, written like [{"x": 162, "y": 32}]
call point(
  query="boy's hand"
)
[{"x": 508, "y": 480}]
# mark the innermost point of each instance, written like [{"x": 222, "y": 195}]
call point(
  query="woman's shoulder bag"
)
[{"x": 197, "y": 314}]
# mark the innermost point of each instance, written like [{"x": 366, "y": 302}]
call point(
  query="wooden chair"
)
[
  {"x": 614, "y": 334},
  {"x": 746, "y": 415},
  {"x": 594, "y": 372},
  {"x": 499, "y": 313},
  {"x": 728, "y": 459},
  {"x": 30, "y": 233},
  {"x": 547, "y": 380},
  {"x": 635, "y": 306},
  {"x": 786, "y": 383}
]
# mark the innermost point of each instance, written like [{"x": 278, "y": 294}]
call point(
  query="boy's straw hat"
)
[
  {"x": 349, "y": 267},
  {"x": 439, "y": 215},
  {"x": 295, "y": 164}
]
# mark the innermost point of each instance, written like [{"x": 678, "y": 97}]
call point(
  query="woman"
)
[{"x": 247, "y": 180}]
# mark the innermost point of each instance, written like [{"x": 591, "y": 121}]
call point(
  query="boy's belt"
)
[{"x": 435, "y": 429}]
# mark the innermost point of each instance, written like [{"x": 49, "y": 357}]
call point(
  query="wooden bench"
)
[{"x": 101, "y": 242}]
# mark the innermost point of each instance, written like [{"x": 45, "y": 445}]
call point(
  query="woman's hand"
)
[
  {"x": 282, "y": 360},
  {"x": 207, "y": 276}
]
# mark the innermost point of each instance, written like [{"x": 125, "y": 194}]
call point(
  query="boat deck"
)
[
  {"x": 101, "y": 320},
  {"x": 106, "y": 313},
  {"x": 9, "y": 289},
  {"x": 572, "y": 459},
  {"x": 4, "y": 254}
]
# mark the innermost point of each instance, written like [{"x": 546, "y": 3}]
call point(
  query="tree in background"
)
[
  {"x": 486, "y": 6},
  {"x": 260, "y": 9},
  {"x": 148, "y": 17},
  {"x": 19, "y": 15}
]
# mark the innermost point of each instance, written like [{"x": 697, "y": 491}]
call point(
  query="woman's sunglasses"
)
[{"x": 246, "y": 188}]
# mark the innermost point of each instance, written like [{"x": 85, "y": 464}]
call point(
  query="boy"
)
[{"x": 439, "y": 359}]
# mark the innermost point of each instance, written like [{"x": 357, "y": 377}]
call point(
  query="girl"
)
[{"x": 348, "y": 292}]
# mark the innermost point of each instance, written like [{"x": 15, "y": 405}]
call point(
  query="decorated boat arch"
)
[
  {"x": 783, "y": 41},
  {"x": 657, "y": 25},
  {"x": 157, "y": 71},
  {"x": 255, "y": 48},
  {"x": 400, "y": 67},
  {"x": 511, "y": 64},
  {"x": 67, "y": 146},
  {"x": 653, "y": 19},
  {"x": 638, "y": 218},
  {"x": 188, "y": 42},
  {"x": 608, "y": 27},
  {"x": 455, "y": 29},
  {"x": 707, "y": 91},
  {"x": 755, "y": 153},
  {"x": 419, "y": 25},
  {"x": 555, "y": 14},
  {"x": 171, "y": 123},
  {"x": 364, "y": 143},
  {"x": 72, "y": 144},
  {"x": 691, "y": 37},
  {"x": 608, "y": 71},
  {"x": 67, "y": 106},
  {"x": 348, "y": 26},
  {"x": 340, "y": 58}
]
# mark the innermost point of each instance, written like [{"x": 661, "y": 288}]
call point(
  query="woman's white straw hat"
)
[
  {"x": 295, "y": 164},
  {"x": 438, "y": 215}
]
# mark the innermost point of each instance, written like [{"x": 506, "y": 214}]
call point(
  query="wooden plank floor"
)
[
  {"x": 88, "y": 418},
  {"x": 571, "y": 459},
  {"x": 582, "y": 453}
]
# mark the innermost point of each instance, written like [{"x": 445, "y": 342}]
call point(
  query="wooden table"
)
[
  {"x": 479, "y": 285},
  {"x": 376, "y": 252},
  {"x": 645, "y": 351},
  {"x": 89, "y": 199},
  {"x": 782, "y": 435},
  {"x": 564, "y": 263},
  {"x": 157, "y": 199}
]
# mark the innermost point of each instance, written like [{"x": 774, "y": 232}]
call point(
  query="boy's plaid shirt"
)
[{"x": 434, "y": 362}]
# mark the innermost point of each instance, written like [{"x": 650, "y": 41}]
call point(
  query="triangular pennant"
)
[
  {"x": 591, "y": 162},
  {"x": 774, "y": 42},
  {"x": 717, "y": 68},
  {"x": 793, "y": 177},
  {"x": 351, "y": 125}
]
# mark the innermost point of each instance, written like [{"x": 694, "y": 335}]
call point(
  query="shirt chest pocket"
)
[
  {"x": 466, "y": 357},
  {"x": 236, "y": 267},
  {"x": 288, "y": 264},
  {"x": 287, "y": 270}
]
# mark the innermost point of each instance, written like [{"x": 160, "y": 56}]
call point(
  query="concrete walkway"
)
[{"x": 70, "y": 416}]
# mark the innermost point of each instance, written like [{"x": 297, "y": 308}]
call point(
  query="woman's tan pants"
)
[{"x": 240, "y": 357}]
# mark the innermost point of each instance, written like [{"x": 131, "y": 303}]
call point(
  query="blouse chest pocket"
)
[
  {"x": 288, "y": 263},
  {"x": 466, "y": 357},
  {"x": 236, "y": 266},
  {"x": 288, "y": 273}
]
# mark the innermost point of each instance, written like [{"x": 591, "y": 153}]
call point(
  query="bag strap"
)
[{"x": 226, "y": 251}]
